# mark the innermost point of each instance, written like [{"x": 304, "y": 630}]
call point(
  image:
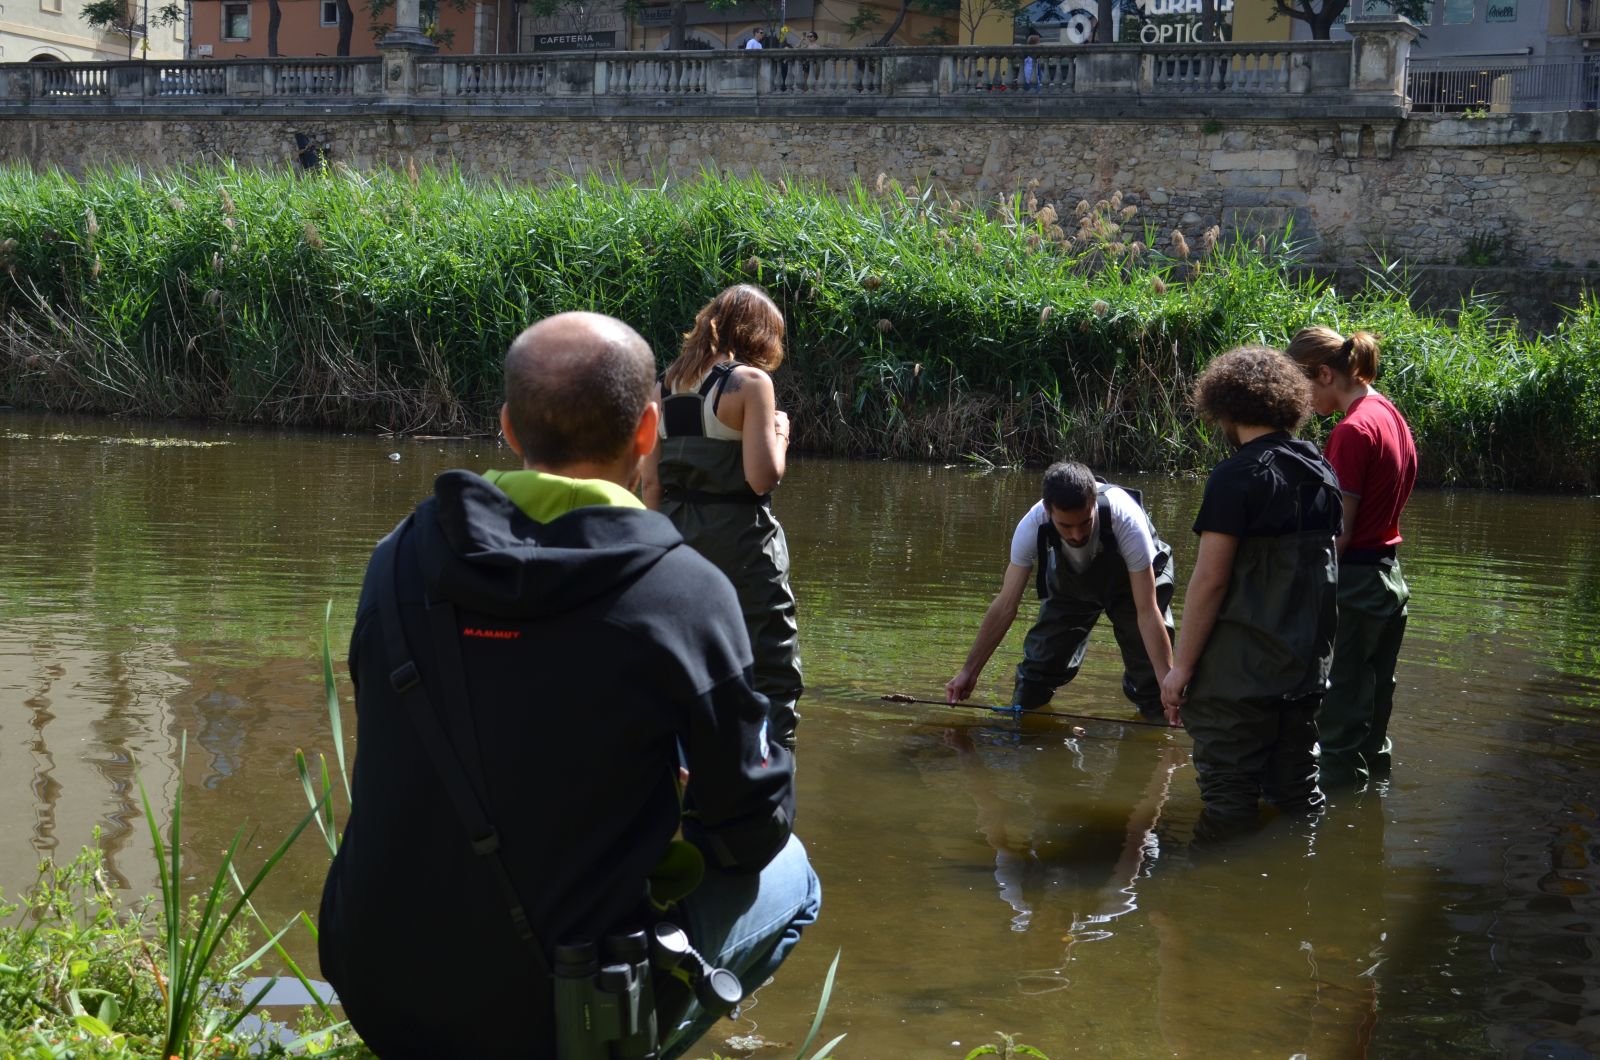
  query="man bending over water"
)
[{"x": 1097, "y": 552}]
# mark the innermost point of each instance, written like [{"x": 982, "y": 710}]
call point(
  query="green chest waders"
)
[
  {"x": 705, "y": 494},
  {"x": 1273, "y": 637},
  {"x": 1070, "y": 602},
  {"x": 1254, "y": 695},
  {"x": 1353, "y": 725}
]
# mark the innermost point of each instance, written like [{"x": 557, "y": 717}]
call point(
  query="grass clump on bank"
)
[
  {"x": 82, "y": 975},
  {"x": 920, "y": 326}
]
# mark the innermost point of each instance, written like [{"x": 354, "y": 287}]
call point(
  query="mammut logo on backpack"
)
[{"x": 490, "y": 634}]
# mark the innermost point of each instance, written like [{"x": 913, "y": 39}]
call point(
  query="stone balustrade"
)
[{"x": 1208, "y": 80}]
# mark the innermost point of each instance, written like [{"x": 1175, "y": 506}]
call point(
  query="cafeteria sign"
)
[{"x": 574, "y": 42}]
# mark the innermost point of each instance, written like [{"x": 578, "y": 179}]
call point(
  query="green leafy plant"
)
[
  {"x": 1008, "y": 1049},
  {"x": 1484, "y": 249},
  {"x": 192, "y": 944},
  {"x": 816, "y": 1022}
]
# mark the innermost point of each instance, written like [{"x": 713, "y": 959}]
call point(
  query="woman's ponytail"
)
[
  {"x": 1363, "y": 360},
  {"x": 1356, "y": 357}
]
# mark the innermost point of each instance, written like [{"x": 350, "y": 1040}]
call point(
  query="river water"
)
[{"x": 163, "y": 582}]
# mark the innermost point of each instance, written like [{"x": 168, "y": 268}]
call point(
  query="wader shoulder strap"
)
[
  {"x": 716, "y": 380},
  {"x": 1049, "y": 536},
  {"x": 408, "y": 685},
  {"x": 684, "y": 414},
  {"x": 1102, "y": 504}
]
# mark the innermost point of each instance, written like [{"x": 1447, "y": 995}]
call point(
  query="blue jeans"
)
[{"x": 746, "y": 923}]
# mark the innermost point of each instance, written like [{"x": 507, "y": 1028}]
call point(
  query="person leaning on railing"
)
[{"x": 808, "y": 41}]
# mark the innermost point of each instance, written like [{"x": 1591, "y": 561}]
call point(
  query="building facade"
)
[
  {"x": 1492, "y": 30},
  {"x": 54, "y": 31},
  {"x": 228, "y": 29}
]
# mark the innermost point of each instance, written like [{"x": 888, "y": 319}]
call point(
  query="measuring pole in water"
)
[{"x": 1018, "y": 712}]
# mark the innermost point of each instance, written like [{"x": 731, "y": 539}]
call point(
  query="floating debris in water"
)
[
  {"x": 744, "y": 1044},
  {"x": 394, "y": 456},
  {"x": 148, "y": 443}
]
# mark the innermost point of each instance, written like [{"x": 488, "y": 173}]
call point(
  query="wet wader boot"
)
[
  {"x": 1353, "y": 726},
  {"x": 1253, "y": 699},
  {"x": 705, "y": 494},
  {"x": 1071, "y": 603}
]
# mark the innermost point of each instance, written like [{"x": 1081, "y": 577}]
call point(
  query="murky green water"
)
[{"x": 978, "y": 876}]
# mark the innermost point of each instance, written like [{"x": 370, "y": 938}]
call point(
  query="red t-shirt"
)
[{"x": 1376, "y": 460}]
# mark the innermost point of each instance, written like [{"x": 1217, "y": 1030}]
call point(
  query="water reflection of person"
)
[
  {"x": 1089, "y": 850},
  {"x": 1278, "y": 947}
]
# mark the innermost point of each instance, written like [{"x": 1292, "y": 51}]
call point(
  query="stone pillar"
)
[
  {"x": 15, "y": 84},
  {"x": 1379, "y": 50},
  {"x": 401, "y": 47}
]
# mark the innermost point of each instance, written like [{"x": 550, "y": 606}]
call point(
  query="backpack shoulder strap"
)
[{"x": 406, "y": 680}]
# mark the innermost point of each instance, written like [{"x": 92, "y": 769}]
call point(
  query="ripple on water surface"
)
[{"x": 980, "y": 873}]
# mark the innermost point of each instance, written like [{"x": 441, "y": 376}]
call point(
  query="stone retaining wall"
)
[{"x": 1417, "y": 188}]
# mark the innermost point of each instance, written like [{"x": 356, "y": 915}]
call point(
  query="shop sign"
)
[{"x": 575, "y": 42}]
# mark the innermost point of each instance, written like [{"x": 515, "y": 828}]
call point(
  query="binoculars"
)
[{"x": 605, "y": 1003}]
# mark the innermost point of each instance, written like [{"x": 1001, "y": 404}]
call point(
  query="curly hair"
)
[
  {"x": 1253, "y": 386},
  {"x": 743, "y": 322}
]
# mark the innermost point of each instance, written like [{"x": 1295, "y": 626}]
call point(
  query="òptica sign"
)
[{"x": 1175, "y": 21}]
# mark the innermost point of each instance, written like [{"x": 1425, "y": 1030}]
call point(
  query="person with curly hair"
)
[
  {"x": 1256, "y": 644},
  {"x": 723, "y": 449},
  {"x": 1372, "y": 451}
]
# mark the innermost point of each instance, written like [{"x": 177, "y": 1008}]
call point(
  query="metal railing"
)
[
  {"x": 1448, "y": 86},
  {"x": 1005, "y": 76}
]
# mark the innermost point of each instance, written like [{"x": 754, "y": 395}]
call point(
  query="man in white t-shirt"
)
[
  {"x": 1098, "y": 553},
  {"x": 757, "y": 41}
]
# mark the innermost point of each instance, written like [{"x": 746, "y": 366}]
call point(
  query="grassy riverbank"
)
[{"x": 921, "y": 328}]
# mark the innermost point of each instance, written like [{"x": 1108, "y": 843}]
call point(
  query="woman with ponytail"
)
[
  {"x": 1372, "y": 452},
  {"x": 723, "y": 449}
]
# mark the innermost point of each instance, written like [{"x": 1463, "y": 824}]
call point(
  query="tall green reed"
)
[
  {"x": 920, "y": 326},
  {"x": 191, "y": 940}
]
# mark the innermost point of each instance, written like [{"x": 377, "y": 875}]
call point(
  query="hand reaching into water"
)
[{"x": 959, "y": 687}]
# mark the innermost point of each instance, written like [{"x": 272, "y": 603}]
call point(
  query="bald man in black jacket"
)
[{"x": 574, "y": 653}]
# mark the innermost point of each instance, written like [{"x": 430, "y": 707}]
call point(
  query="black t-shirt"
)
[{"x": 1253, "y": 493}]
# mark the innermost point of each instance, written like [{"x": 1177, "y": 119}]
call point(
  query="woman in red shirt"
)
[{"x": 1372, "y": 452}]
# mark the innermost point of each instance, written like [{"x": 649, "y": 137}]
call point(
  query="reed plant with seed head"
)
[{"x": 401, "y": 317}]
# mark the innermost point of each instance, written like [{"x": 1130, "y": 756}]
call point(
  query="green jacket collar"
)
[{"x": 546, "y": 498}]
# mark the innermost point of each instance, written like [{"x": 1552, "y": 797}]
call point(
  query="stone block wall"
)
[{"x": 1415, "y": 189}]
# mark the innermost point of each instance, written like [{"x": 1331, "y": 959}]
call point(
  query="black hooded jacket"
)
[{"x": 594, "y": 646}]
